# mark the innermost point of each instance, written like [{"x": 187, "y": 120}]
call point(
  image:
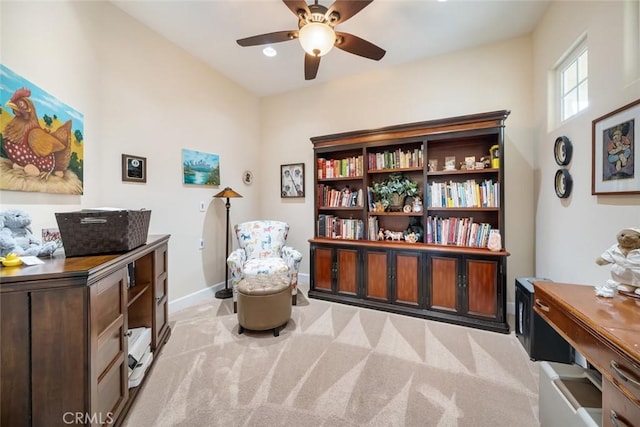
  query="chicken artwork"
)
[{"x": 29, "y": 146}]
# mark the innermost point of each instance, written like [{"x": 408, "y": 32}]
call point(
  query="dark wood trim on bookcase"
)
[{"x": 472, "y": 290}]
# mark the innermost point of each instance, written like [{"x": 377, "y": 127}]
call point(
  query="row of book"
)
[
  {"x": 339, "y": 228},
  {"x": 457, "y": 231},
  {"x": 395, "y": 159},
  {"x": 330, "y": 197},
  {"x": 340, "y": 168},
  {"x": 468, "y": 194}
]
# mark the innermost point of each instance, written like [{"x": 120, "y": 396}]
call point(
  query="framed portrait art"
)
[
  {"x": 614, "y": 151},
  {"x": 134, "y": 168},
  {"x": 292, "y": 180}
]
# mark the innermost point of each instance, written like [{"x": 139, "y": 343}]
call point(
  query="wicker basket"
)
[{"x": 91, "y": 232}]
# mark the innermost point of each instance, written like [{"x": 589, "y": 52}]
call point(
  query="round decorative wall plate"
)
[
  {"x": 563, "y": 183},
  {"x": 247, "y": 177},
  {"x": 562, "y": 150}
]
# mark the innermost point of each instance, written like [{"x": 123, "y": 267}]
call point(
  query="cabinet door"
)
[
  {"x": 347, "y": 271},
  {"x": 444, "y": 282},
  {"x": 15, "y": 355},
  {"x": 377, "y": 275},
  {"x": 481, "y": 285},
  {"x": 323, "y": 268},
  {"x": 406, "y": 277},
  {"x": 160, "y": 293},
  {"x": 58, "y": 354},
  {"x": 109, "y": 370}
]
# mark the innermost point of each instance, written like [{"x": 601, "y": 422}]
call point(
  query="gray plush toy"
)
[{"x": 16, "y": 236}]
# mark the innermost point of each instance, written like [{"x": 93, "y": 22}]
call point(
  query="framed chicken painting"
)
[{"x": 41, "y": 139}]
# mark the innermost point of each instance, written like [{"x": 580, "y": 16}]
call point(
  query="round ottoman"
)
[{"x": 264, "y": 302}]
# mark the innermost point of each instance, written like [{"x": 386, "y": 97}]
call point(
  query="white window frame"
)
[{"x": 572, "y": 58}]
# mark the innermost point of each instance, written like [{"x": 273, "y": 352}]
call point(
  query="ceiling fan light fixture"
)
[{"x": 317, "y": 38}]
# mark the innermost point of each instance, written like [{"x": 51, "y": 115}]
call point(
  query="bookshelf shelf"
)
[{"x": 433, "y": 263}]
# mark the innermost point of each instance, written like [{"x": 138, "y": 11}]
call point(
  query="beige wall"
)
[
  {"x": 489, "y": 78},
  {"x": 570, "y": 234},
  {"x": 142, "y": 95}
]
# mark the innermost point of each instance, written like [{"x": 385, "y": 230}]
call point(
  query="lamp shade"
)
[
  {"x": 227, "y": 192},
  {"x": 317, "y": 38}
]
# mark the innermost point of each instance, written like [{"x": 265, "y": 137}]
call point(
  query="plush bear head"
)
[
  {"x": 628, "y": 239},
  {"x": 16, "y": 235}
]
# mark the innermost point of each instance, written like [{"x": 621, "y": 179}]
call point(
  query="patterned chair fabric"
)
[{"x": 262, "y": 250}]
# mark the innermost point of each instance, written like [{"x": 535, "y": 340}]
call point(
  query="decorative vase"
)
[{"x": 397, "y": 202}]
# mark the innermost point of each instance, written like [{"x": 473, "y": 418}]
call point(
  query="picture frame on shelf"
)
[
  {"x": 450, "y": 163},
  {"x": 432, "y": 165},
  {"x": 134, "y": 168},
  {"x": 614, "y": 151},
  {"x": 292, "y": 180}
]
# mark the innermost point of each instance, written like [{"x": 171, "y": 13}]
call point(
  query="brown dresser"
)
[
  {"x": 606, "y": 331},
  {"x": 64, "y": 327}
]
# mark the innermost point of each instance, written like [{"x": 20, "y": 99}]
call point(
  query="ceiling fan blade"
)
[
  {"x": 278, "y": 36},
  {"x": 357, "y": 46},
  {"x": 296, "y": 5},
  {"x": 311, "y": 64},
  {"x": 347, "y": 8}
]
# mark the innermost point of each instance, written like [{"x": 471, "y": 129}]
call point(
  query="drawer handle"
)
[
  {"x": 615, "y": 420},
  {"x": 614, "y": 366},
  {"x": 541, "y": 306}
]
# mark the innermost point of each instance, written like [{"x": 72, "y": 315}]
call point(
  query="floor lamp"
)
[{"x": 226, "y": 292}]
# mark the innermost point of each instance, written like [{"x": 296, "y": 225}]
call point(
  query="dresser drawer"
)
[
  {"x": 576, "y": 333},
  {"x": 617, "y": 409},
  {"x": 626, "y": 375}
]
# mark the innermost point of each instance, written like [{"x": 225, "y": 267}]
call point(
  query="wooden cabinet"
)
[
  {"x": 447, "y": 273},
  {"x": 64, "y": 334},
  {"x": 392, "y": 276},
  {"x": 467, "y": 285},
  {"x": 336, "y": 269}
]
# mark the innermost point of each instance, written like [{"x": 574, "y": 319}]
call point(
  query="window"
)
[{"x": 574, "y": 83}]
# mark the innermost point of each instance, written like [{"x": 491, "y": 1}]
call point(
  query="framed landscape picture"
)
[{"x": 200, "y": 168}]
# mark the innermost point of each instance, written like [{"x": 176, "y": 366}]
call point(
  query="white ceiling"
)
[{"x": 408, "y": 30}]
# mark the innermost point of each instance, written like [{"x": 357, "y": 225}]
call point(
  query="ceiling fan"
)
[{"x": 317, "y": 35}]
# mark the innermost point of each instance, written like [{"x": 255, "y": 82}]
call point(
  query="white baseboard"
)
[{"x": 208, "y": 293}]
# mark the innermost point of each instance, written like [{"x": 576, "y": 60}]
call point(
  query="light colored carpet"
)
[{"x": 336, "y": 365}]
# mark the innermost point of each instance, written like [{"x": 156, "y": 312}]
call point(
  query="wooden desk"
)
[{"x": 606, "y": 331}]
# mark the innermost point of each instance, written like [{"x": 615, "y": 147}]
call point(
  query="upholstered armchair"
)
[{"x": 262, "y": 250}]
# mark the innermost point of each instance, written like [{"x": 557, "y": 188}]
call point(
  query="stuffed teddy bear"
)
[
  {"x": 16, "y": 236},
  {"x": 624, "y": 258}
]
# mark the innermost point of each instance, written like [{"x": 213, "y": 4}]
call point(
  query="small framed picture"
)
[
  {"x": 134, "y": 168},
  {"x": 432, "y": 165},
  {"x": 450, "y": 163},
  {"x": 470, "y": 162},
  {"x": 292, "y": 180}
]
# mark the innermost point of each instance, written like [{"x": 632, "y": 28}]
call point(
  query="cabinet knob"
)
[
  {"x": 625, "y": 377},
  {"x": 127, "y": 334},
  {"x": 615, "y": 420},
  {"x": 541, "y": 306}
]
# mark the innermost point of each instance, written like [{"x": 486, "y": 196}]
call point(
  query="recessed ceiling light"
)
[{"x": 269, "y": 51}]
